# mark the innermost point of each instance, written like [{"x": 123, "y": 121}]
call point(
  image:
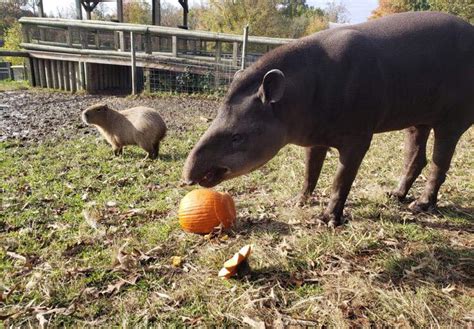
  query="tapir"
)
[{"x": 336, "y": 89}]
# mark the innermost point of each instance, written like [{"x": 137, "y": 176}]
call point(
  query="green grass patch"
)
[{"x": 87, "y": 238}]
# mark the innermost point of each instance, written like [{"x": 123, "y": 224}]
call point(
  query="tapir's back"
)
[{"x": 426, "y": 64}]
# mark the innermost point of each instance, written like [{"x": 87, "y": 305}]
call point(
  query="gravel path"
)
[{"x": 36, "y": 116}]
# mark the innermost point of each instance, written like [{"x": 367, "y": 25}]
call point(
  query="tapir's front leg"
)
[
  {"x": 350, "y": 157},
  {"x": 314, "y": 163}
]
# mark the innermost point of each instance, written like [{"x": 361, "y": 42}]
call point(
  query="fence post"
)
[
  {"x": 133, "y": 64},
  {"x": 78, "y": 10},
  {"x": 244, "y": 46},
  {"x": 25, "y": 31},
  {"x": 218, "y": 51},
  {"x": 174, "y": 41},
  {"x": 235, "y": 50},
  {"x": 147, "y": 71},
  {"x": 69, "y": 37}
]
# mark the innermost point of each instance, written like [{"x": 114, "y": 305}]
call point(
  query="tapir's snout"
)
[{"x": 202, "y": 172}]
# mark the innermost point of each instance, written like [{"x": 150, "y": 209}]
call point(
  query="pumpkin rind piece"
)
[
  {"x": 234, "y": 261},
  {"x": 225, "y": 273}
]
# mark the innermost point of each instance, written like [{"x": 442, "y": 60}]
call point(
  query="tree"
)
[
  {"x": 171, "y": 15},
  {"x": 100, "y": 13},
  {"x": 336, "y": 12},
  {"x": 293, "y": 8},
  {"x": 137, "y": 11},
  {"x": 277, "y": 18},
  {"x": 461, "y": 8},
  {"x": 12, "y": 10},
  {"x": 13, "y": 39},
  {"x": 232, "y": 15}
]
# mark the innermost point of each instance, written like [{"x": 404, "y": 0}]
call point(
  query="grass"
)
[
  {"x": 6, "y": 85},
  {"x": 87, "y": 239}
]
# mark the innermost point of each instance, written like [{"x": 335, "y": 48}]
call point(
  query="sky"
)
[{"x": 358, "y": 10}]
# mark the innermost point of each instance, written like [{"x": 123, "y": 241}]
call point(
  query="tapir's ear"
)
[
  {"x": 237, "y": 74},
  {"x": 273, "y": 86}
]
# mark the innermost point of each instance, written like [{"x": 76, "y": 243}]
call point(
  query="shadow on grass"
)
[
  {"x": 254, "y": 225},
  {"x": 442, "y": 265},
  {"x": 453, "y": 218},
  {"x": 272, "y": 275},
  {"x": 171, "y": 157}
]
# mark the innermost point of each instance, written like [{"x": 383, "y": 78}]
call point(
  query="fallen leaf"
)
[
  {"x": 449, "y": 288},
  {"x": 35, "y": 278},
  {"x": 114, "y": 288},
  {"x": 162, "y": 295},
  {"x": 92, "y": 217},
  {"x": 176, "y": 261},
  {"x": 126, "y": 261},
  {"x": 111, "y": 204},
  {"x": 253, "y": 323},
  {"x": 17, "y": 256}
]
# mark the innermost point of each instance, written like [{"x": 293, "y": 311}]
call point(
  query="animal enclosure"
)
[{"x": 102, "y": 56}]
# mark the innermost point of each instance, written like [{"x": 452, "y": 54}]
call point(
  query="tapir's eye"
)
[{"x": 237, "y": 139}]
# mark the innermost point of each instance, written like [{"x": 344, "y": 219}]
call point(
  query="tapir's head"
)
[{"x": 246, "y": 133}]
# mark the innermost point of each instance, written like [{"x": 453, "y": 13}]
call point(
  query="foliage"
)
[
  {"x": 137, "y": 11},
  {"x": 461, "y": 8},
  {"x": 12, "y": 40},
  {"x": 172, "y": 15},
  {"x": 232, "y": 16},
  {"x": 277, "y": 18},
  {"x": 12, "y": 10},
  {"x": 8, "y": 85},
  {"x": 100, "y": 13}
]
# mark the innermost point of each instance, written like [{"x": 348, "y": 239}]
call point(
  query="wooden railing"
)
[
  {"x": 89, "y": 49},
  {"x": 113, "y": 39}
]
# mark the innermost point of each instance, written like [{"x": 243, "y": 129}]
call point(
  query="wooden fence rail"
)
[{"x": 87, "y": 44}]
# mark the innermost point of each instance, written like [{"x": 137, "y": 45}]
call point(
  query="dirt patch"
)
[{"x": 37, "y": 116}]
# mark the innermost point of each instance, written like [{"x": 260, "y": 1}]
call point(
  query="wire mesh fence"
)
[{"x": 201, "y": 77}]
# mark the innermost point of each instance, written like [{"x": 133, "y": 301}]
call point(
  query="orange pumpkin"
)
[{"x": 203, "y": 209}]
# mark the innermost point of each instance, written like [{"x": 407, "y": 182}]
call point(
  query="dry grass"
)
[{"x": 69, "y": 256}]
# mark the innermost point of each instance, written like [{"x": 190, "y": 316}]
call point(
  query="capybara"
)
[
  {"x": 141, "y": 126},
  {"x": 336, "y": 88}
]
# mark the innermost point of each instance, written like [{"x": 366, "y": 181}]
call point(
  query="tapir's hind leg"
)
[
  {"x": 314, "y": 163},
  {"x": 445, "y": 142},
  {"x": 415, "y": 159}
]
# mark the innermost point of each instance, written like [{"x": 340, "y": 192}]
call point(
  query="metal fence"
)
[
  {"x": 196, "y": 78},
  {"x": 5, "y": 71}
]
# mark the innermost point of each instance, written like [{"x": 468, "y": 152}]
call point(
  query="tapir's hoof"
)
[
  {"x": 396, "y": 195},
  {"x": 420, "y": 207},
  {"x": 332, "y": 221},
  {"x": 302, "y": 200}
]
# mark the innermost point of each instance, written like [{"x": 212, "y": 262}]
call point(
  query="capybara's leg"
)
[
  {"x": 314, "y": 163},
  {"x": 150, "y": 149},
  {"x": 444, "y": 145},
  {"x": 153, "y": 154},
  {"x": 155, "y": 151},
  {"x": 350, "y": 158},
  {"x": 415, "y": 159},
  {"x": 118, "y": 150}
]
